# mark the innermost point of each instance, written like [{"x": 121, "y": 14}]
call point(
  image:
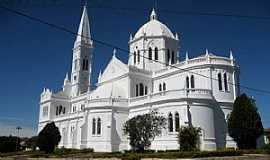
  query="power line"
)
[
  {"x": 121, "y": 49},
  {"x": 190, "y": 13}
]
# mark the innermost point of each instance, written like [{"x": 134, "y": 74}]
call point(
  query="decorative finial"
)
[
  {"x": 114, "y": 52},
  {"x": 66, "y": 78},
  {"x": 187, "y": 58},
  {"x": 66, "y": 81},
  {"x": 99, "y": 76},
  {"x": 231, "y": 55},
  {"x": 206, "y": 52},
  {"x": 130, "y": 37},
  {"x": 153, "y": 15},
  {"x": 176, "y": 36}
]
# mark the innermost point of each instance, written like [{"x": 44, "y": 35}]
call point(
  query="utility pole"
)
[{"x": 18, "y": 134}]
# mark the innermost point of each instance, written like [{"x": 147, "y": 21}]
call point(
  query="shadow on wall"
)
[
  {"x": 189, "y": 116},
  {"x": 115, "y": 139},
  {"x": 220, "y": 127}
]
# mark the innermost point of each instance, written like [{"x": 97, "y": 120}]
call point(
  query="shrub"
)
[
  {"x": 267, "y": 146},
  {"x": 188, "y": 138}
]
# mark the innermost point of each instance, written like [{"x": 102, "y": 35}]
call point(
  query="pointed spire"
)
[
  {"x": 231, "y": 55},
  {"x": 176, "y": 36},
  {"x": 206, "y": 52},
  {"x": 153, "y": 15},
  {"x": 187, "y": 58},
  {"x": 84, "y": 29}
]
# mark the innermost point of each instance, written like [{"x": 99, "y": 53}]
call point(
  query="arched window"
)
[
  {"x": 56, "y": 112},
  {"x": 85, "y": 64},
  {"x": 139, "y": 56},
  {"x": 177, "y": 122},
  {"x": 94, "y": 126},
  {"x": 145, "y": 90},
  {"x": 64, "y": 110},
  {"x": 170, "y": 122},
  {"x": 160, "y": 87},
  {"x": 225, "y": 82},
  {"x": 141, "y": 89},
  {"x": 150, "y": 53},
  {"x": 134, "y": 58},
  {"x": 168, "y": 57},
  {"x": 156, "y": 53},
  {"x": 137, "y": 90},
  {"x": 187, "y": 82},
  {"x": 172, "y": 59},
  {"x": 219, "y": 82},
  {"x": 99, "y": 126},
  {"x": 192, "y": 82},
  {"x": 164, "y": 86}
]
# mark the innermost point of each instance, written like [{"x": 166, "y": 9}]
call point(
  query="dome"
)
[{"x": 154, "y": 28}]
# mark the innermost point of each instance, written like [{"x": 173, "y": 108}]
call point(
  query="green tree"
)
[
  {"x": 48, "y": 138},
  {"x": 188, "y": 138},
  {"x": 142, "y": 129},
  {"x": 9, "y": 144},
  {"x": 244, "y": 123}
]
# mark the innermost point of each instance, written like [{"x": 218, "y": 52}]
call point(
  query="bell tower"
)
[{"x": 82, "y": 58}]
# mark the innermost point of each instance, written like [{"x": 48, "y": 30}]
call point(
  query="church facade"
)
[{"x": 196, "y": 91}]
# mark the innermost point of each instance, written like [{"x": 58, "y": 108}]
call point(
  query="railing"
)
[
  {"x": 202, "y": 60},
  {"x": 172, "y": 94},
  {"x": 107, "y": 102},
  {"x": 164, "y": 95}
]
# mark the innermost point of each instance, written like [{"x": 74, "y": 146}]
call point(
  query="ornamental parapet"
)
[
  {"x": 203, "y": 60},
  {"x": 172, "y": 95},
  {"x": 151, "y": 98},
  {"x": 102, "y": 102}
]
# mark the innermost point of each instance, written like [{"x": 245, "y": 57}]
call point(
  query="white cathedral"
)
[{"x": 196, "y": 91}]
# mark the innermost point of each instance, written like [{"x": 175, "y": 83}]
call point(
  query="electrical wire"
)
[{"x": 121, "y": 49}]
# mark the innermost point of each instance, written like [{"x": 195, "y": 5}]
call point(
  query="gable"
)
[{"x": 114, "y": 69}]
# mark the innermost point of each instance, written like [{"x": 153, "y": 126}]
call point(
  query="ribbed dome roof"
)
[{"x": 154, "y": 28}]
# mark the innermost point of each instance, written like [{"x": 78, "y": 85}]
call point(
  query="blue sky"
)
[{"x": 34, "y": 56}]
